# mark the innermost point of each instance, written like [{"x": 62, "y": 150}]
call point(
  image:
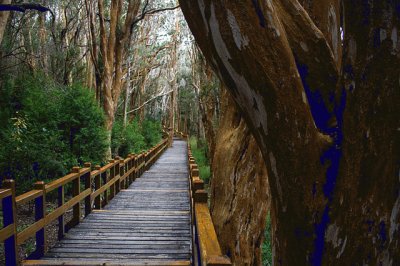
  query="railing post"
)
[
  {"x": 104, "y": 177},
  {"x": 122, "y": 173},
  {"x": 10, "y": 217},
  {"x": 112, "y": 175},
  {"x": 129, "y": 168},
  {"x": 117, "y": 173},
  {"x": 40, "y": 213},
  {"x": 76, "y": 189},
  {"x": 61, "y": 220},
  {"x": 135, "y": 165},
  {"x": 97, "y": 185},
  {"x": 88, "y": 185}
]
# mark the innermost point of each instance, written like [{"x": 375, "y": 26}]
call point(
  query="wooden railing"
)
[
  {"x": 206, "y": 242},
  {"x": 99, "y": 185}
]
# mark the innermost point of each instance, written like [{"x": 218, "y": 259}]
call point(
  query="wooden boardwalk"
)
[{"x": 147, "y": 224}]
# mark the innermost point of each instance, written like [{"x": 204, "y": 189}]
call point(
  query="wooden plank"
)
[
  {"x": 28, "y": 196},
  {"x": 6, "y": 232},
  {"x": 30, "y": 231},
  {"x": 107, "y": 263},
  {"x": 210, "y": 249},
  {"x": 117, "y": 256},
  {"x": 61, "y": 210},
  {"x": 104, "y": 188},
  {"x": 61, "y": 181},
  {"x": 4, "y": 193}
]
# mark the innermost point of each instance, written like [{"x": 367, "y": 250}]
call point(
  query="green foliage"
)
[
  {"x": 135, "y": 138},
  {"x": 199, "y": 151},
  {"x": 127, "y": 140},
  {"x": 151, "y": 131},
  {"x": 267, "y": 245},
  {"x": 46, "y": 129}
]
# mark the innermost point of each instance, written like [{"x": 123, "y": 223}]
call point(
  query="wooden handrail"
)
[
  {"x": 206, "y": 241},
  {"x": 116, "y": 175}
]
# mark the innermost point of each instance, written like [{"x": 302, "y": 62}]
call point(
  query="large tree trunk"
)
[
  {"x": 239, "y": 188},
  {"x": 329, "y": 136},
  {"x": 3, "y": 19}
]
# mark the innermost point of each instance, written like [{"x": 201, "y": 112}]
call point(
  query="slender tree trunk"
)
[
  {"x": 328, "y": 135},
  {"x": 239, "y": 188}
]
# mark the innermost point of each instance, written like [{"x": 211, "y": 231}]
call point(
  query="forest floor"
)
[{"x": 25, "y": 218}]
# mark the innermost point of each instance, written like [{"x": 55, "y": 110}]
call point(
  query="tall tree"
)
[
  {"x": 3, "y": 18},
  {"x": 114, "y": 37},
  {"x": 326, "y": 121}
]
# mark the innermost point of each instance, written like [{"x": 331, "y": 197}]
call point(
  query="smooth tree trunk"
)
[
  {"x": 328, "y": 131},
  {"x": 239, "y": 188}
]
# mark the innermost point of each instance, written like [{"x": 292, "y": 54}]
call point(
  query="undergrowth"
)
[{"x": 199, "y": 151}]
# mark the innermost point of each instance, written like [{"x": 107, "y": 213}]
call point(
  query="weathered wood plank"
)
[{"x": 105, "y": 262}]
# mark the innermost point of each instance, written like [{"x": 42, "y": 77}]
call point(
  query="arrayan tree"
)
[{"x": 318, "y": 84}]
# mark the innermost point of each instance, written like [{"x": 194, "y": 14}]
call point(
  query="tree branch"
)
[
  {"x": 151, "y": 12},
  {"x": 152, "y": 99}
]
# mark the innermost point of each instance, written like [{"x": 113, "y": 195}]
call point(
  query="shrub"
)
[
  {"x": 151, "y": 131},
  {"x": 127, "y": 140},
  {"x": 46, "y": 129}
]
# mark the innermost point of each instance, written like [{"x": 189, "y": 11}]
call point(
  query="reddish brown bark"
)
[
  {"x": 328, "y": 134},
  {"x": 113, "y": 48},
  {"x": 239, "y": 188}
]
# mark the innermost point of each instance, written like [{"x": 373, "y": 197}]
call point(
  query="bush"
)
[
  {"x": 46, "y": 129},
  {"x": 134, "y": 138},
  {"x": 151, "y": 130},
  {"x": 127, "y": 140}
]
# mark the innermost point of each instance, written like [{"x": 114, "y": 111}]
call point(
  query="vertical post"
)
[
  {"x": 117, "y": 170},
  {"x": 135, "y": 166},
  {"x": 122, "y": 173},
  {"x": 104, "y": 177},
  {"x": 128, "y": 168},
  {"x": 40, "y": 213},
  {"x": 88, "y": 185},
  {"x": 97, "y": 185},
  {"x": 112, "y": 175},
  {"x": 61, "y": 219},
  {"x": 10, "y": 217},
  {"x": 76, "y": 210}
]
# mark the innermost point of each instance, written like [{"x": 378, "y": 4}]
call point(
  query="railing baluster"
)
[
  {"x": 76, "y": 210},
  {"x": 61, "y": 219},
  {"x": 10, "y": 218},
  {"x": 97, "y": 185},
  {"x": 104, "y": 177},
  {"x": 40, "y": 213},
  {"x": 88, "y": 185},
  {"x": 112, "y": 175}
]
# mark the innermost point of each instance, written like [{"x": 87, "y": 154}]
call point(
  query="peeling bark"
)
[
  {"x": 328, "y": 134},
  {"x": 240, "y": 196}
]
